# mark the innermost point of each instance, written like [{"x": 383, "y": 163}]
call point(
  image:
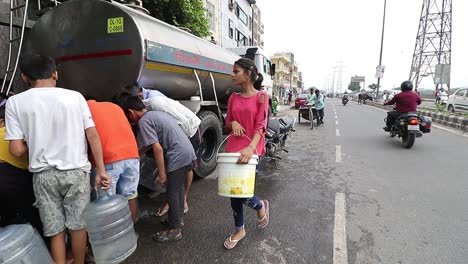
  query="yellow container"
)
[{"x": 236, "y": 180}]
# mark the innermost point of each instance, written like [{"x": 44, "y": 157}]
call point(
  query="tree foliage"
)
[
  {"x": 373, "y": 86},
  {"x": 354, "y": 86},
  {"x": 182, "y": 13}
]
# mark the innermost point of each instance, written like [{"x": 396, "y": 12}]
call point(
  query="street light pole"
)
[{"x": 381, "y": 49}]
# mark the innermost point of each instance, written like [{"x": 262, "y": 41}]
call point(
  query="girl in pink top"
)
[{"x": 247, "y": 115}]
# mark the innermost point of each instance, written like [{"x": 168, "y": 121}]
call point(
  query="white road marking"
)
[
  {"x": 340, "y": 248},
  {"x": 338, "y": 153},
  {"x": 337, "y": 132},
  {"x": 336, "y": 122},
  {"x": 463, "y": 134},
  {"x": 336, "y": 117}
]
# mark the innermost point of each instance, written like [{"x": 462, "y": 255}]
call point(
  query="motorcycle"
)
[
  {"x": 278, "y": 131},
  {"x": 441, "y": 100},
  {"x": 344, "y": 101},
  {"x": 410, "y": 126}
]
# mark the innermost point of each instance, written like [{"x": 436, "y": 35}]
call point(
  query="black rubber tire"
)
[
  {"x": 211, "y": 136},
  {"x": 451, "y": 109},
  {"x": 408, "y": 140},
  {"x": 299, "y": 116}
]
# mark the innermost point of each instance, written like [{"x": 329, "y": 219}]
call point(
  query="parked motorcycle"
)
[
  {"x": 410, "y": 126},
  {"x": 278, "y": 131}
]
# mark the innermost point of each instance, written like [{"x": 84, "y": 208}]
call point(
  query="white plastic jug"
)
[
  {"x": 110, "y": 228},
  {"x": 21, "y": 244}
]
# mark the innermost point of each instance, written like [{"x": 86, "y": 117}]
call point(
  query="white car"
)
[{"x": 458, "y": 101}]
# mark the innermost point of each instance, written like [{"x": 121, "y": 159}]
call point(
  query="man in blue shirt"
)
[{"x": 317, "y": 100}]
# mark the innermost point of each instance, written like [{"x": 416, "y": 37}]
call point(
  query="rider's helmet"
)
[{"x": 406, "y": 86}]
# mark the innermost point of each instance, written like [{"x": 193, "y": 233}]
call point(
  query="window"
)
[
  {"x": 231, "y": 29},
  {"x": 460, "y": 93},
  {"x": 242, "y": 15},
  {"x": 250, "y": 41},
  {"x": 241, "y": 38},
  {"x": 210, "y": 14}
]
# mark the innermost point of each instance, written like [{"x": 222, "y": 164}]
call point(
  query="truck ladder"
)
[
  {"x": 15, "y": 7},
  {"x": 18, "y": 8}
]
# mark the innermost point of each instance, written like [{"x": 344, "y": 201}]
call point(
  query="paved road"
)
[{"x": 401, "y": 206}]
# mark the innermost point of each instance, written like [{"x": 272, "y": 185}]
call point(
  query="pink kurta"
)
[{"x": 252, "y": 114}]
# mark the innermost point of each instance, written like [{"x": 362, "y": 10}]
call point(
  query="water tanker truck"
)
[{"x": 102, "y": 46}]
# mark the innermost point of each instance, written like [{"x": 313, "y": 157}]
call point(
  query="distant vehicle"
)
[
  {"x": 301, "y": 100},
  {"x": 458, "y": 101}
]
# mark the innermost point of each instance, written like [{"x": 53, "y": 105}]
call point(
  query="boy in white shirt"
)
[{"x": 52, "y": 125}]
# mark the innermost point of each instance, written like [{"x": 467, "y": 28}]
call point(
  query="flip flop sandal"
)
[
  {"x": 186, "y": 209},
  {"x": 266, "y": 218},
  {"x": 162, "y": 211},
  {"x": 168, "y": 236},
  {"x": 230, "y": 243}
]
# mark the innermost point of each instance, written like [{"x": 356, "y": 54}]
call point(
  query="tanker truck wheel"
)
[{"x": 211, "y": 136}]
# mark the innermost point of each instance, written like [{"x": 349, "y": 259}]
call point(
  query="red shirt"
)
[
  {"x": 117, "y": 139},
  {"x": 406, "y": 101},
  {"x": 252, "y": 114}
]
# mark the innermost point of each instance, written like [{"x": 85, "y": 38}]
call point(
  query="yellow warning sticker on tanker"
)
[{"x": 115, "y": 25}]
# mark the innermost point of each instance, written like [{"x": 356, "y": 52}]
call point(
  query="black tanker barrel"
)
[{"x": 103, "y": 46}]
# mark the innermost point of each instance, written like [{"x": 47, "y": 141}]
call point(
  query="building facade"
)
[
  {"x": 258, "y": 29},
  {"x": 236, "y": 23},
  {"x": 213, "y": 14},
  {"x": 287, "y": 75}
]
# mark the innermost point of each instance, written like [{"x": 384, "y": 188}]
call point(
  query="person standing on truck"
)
[
  {"x": 52, "y": 125},
  {"x": 120, "y": 151},
  {"x": 247, "y": 116},
  {"x": 186, "y": 119},
  {"x": 173, "y": 155}
]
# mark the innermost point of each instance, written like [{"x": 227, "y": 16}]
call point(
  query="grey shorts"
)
[{"x": 61, "y": 197}]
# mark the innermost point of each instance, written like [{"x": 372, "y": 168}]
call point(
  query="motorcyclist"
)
[
  {"x": 345, "y": 97},
  {"x": 406, "y": 101}
]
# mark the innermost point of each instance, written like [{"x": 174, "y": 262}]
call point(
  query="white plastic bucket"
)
[{"x": 235, "y": 180}]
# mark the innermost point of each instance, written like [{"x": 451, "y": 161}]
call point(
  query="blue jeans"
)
[{"x": 237, "y": 205}]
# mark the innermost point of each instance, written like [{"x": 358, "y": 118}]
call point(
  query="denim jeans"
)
[{"x": 237, "y": 205}]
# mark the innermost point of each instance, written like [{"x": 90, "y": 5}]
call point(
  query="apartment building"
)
[{"x": 287, "y": 75}]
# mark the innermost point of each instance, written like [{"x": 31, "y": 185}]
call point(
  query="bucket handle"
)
[
  {"x": 222, "y": 142},
  {"x": 101, "y": 193}
]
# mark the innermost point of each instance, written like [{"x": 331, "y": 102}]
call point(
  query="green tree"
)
[
  {"x": 373, "y": 86},
  {"x": 181, "y": 13},
  {"x": 354, "y": 86}
]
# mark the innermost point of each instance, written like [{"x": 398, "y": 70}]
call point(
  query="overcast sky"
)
[{"x": 321, "y": 33}]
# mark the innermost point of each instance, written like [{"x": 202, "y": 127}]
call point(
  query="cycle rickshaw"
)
[{"x": 307, "y": 112}]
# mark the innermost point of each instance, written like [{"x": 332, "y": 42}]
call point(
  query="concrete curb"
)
[{"x": 457, "y": 122}]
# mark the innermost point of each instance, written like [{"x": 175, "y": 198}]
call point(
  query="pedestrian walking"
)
[
  {"x": 53, "y": 125},
  {"x": 247, "y": 115},
  {"x": 173, "y": 155}
]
